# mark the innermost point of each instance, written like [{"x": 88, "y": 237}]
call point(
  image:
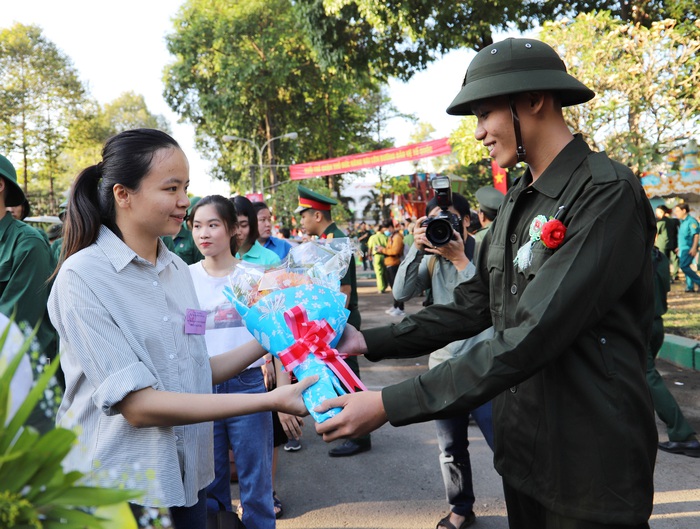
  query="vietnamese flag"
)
[{"x": 500, "y": 180}]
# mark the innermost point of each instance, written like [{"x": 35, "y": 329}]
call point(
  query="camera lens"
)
[{"x": 439, "y": 232}]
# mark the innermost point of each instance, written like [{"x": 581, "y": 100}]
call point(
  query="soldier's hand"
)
[
  {"x": 352, "y": 343},
  {"x": 363, "y": 412}
]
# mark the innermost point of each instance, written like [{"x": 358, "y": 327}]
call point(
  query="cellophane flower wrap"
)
[{"x": 296, "y": 312}]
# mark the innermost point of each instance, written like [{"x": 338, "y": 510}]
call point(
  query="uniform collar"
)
[
  {"x": 331, "y": 228},
  {"x": 554, "y": 179},
  {"x": 120, "y": 255}
]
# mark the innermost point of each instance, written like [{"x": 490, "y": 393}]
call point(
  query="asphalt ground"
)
[{"x": 398, "y": 485}]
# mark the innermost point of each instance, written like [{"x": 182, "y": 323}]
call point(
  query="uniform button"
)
[
  {"x": 603, "y": 341},
  {"x": 514, "y": 290},
  {"x": 155, "y": 283},
  {"x": 514, "y": 390},
  {"x": 172, "y": 356},
  {"x": 513, "y": 238},
  {"x": 165, "y": 318}
]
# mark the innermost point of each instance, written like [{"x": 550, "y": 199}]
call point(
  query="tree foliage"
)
[
  {"x": 244, "y": 69},
  {"x": 400, "y": 37},
  {"x": 41, "y": 90},
  {"x": 645, "y": 78}
]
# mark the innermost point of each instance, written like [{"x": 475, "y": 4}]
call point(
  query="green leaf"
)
[
  {"x": 94, "y": 496},
  {"x": 9, "y": 373}
]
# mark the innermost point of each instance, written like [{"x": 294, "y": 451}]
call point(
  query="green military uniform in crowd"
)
[
  {"x": 350, "y": 278},
  {"x": 664, "y": 403},
  {"x": 489, "y": 199},
  {"x": 183, "y": 245},
  {"x": 667, "y": 240},
  {"x": 25, "y": 265},
  {"x": 309, "y": 199}
]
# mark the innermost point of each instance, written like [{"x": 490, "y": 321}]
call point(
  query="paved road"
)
[{"x": 397, "y": 485}]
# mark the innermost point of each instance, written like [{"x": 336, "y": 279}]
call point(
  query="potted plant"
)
[{"x": 35, "y": 491}]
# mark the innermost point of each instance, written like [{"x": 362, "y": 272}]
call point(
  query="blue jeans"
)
[
  {"x": 684, "y": 261},
  {"x": 194, "y": 517},
  {"x": 250, "y": 438},
  {"x": 455, "y": 464}
]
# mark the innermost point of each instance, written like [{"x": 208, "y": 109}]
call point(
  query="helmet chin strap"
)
[{"x": 520, "y": 150}]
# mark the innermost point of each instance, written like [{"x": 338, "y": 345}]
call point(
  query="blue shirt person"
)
[{"x": 688, "y": 235}]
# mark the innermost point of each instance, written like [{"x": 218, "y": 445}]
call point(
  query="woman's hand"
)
[
  {"x": 291, "y": 424},
  {"x": 287, "y": 399}
]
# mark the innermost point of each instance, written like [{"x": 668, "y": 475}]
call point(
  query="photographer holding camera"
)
[{"x": 441, "y": 267}]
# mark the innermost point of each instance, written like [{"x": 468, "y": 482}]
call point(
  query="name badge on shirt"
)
[{"x": 195, "y": 321}]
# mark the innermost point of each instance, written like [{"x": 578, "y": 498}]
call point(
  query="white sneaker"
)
[
  {"x": 391, "y": 311},
  {"x": 398, "y": 312}
]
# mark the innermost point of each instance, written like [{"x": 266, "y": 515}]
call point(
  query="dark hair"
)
[
  {"x": 225, "y": 210},
  {"x": 475, "y": 224},
  {"x": 663, "y": 208},
  {"x": 285, "y": 232},
  {"x": 387, "y": 223},
  {"x": 126, "y": 160},
  {"x": 460, "y": 203},
  {"x": 259, "y": 206},
  {"x": 245, "y": 207},
  {"x": 684, "y": 206}
]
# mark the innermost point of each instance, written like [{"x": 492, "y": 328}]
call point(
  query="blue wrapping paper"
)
[{"x": 266, "y": 322}]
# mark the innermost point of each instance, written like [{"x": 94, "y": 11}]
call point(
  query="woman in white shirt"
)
[
  {"x": 214, "y": 229},
  {"x": 138, "y": 377}
]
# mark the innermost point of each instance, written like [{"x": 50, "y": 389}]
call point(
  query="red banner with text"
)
[{"x": 355, "y": 162}]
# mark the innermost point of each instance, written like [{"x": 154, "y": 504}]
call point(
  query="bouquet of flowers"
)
[{"x": 297, "y": 312}]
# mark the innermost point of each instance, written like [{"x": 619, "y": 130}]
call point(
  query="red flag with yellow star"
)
[{"x": 500, "y": 181}]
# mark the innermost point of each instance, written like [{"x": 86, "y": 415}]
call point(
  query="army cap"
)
[
  {"x": 309, "y": 199},
  {"x": 489, "y": 199},
  {"x": 14, "y": 196},
  {"x": 514, "y": 66}
]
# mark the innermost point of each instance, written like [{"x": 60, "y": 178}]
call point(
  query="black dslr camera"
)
[{"x": 438, "y": 230}]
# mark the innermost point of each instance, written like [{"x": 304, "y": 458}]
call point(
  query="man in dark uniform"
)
[
  {"x": 25, "y": 265},
  {"x": 667, "y": 237},
  {"x": 564, "y": 275},
  {"x": 316, "y": 219},
  {"x": 490, "y": 200}
]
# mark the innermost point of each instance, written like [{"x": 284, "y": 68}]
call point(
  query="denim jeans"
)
[
  {"x": 455, "y": 463},
  {"x": 685, "y": 260},
  {"x": 250, "y": 438},
  {"x": 194, "y": 517}
]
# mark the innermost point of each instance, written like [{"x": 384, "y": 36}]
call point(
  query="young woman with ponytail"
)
[{"x": 138, "y": 376}]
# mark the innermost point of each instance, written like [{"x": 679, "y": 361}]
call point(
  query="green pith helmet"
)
[
  {"x": 14, "y": 196},
  {"x": 514, "y": 66}
]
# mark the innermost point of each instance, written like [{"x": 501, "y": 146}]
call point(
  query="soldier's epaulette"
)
[{"x": 602, "y": 170}]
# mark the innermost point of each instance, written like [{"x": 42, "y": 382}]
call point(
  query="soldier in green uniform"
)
[
  {"x": 183, "y": 244},
  {"x": 489, "y": 199},
  {"x": 565, "y": 277},
  {"x": 316, "y": 219},
  {"x": 25, "y": 265}
]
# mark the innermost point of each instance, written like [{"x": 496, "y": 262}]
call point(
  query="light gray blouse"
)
[{"x": 121, "y": 323}]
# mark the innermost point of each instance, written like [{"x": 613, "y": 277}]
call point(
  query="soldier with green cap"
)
[
  {"x": 564, "y": 275},
  {"x": 183, "y": 243},
  {"x": 316, "y": 219},
  {"x": 25, "y": 266},
  {"x": 489, "y": 199}
]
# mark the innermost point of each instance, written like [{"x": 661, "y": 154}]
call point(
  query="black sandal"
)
[
  {"x": 277, "y": 505},
  {"x": 447, "y": 524}
]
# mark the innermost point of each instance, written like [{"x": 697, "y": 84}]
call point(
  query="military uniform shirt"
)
[
  {"x": 350, "y": 278},
  {"x": 183, "y": 245},
  {"x": 573, "y": 420},
  {"x": 25, "y": 265},
  {"x": 121, "y": 322}
]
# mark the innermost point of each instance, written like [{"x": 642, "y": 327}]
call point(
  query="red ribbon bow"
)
[{"x": 314, "y": 337}]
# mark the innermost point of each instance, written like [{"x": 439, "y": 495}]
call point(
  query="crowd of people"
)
[{"x": 543, "y": 317}]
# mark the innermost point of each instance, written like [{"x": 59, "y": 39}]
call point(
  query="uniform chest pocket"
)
[
  {"x": 495, "y": 265},
  {"x": 540, "y": 256}
]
